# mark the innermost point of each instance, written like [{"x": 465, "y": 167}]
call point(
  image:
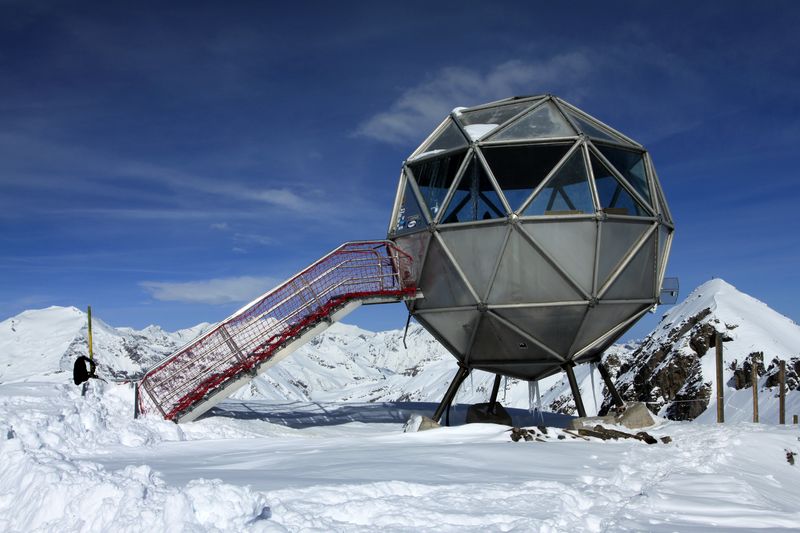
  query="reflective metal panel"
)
[
  {"x": 616, "y": 238},
  {"x": 440, "y": 283},
  {"x": 415, "y": 245},
  {"x": 455, "y": 326},
  {"x": 554, "y": 326},
  {"x": 601, "y": 319},
  {"x": 638, "y": 279},
  {"x": 571, "y": 243},
  {"x": 476, "y": 250},
  {"x": 526, "y": 276},
  {"x": 496, "y": 341}
]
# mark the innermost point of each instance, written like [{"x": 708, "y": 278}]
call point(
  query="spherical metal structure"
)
[{"x": 539, "y": 235}]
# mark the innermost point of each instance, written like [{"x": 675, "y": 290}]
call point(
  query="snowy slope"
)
[
  {"x": 343, "y": 364},
  {"x": 674, "y": 369},
  {"x": 41, "y": 342},
  {"x": 83, "y": 464}
]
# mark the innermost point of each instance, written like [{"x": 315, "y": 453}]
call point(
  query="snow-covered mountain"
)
[
  {"x": 344, "y": 363},
  {"x": 44, "y": 341},
  {"x": 674, "y": 369}
]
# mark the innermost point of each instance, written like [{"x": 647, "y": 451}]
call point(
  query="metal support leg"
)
[
  {"x": 495, "y": 390},
  {"x": 461, "y": 375},
  {"x": 610, "y": 385},
  {"x": 573, "y": 384}
]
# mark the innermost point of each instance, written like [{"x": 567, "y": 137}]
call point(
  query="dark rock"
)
[{"x": 666, "y": 439}]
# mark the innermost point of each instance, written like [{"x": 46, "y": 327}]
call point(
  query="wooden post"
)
[
  {"x": 720, "y": 393},
  {"x": 754, "y": 379},
  {"x": 782, "y": 393}
]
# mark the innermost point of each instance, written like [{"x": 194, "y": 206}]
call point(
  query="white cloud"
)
[
  {"x": 222, "y": 226},
  {"x": 253, "y": 238},
  {"x": 211, "y": 291},
  {"x": 419, "y": 108}
]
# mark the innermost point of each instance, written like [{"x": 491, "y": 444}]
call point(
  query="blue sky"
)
[{"x": 165, "y": 161}]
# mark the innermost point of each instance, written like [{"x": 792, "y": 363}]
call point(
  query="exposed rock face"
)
[{"x": 673, "y": 371}]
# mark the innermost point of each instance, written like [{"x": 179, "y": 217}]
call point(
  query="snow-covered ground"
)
[{"x": 83, "y": 464}]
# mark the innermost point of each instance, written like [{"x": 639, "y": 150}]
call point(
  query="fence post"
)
[
  {"x": 720, "y": 393},
  {"x": 754, "y": 379},
  {"x": 782, "y": 393}
]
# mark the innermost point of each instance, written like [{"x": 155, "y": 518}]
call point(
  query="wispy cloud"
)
[
  {"x": 419, "y": 108},
  {"x": 253, "y": 238},
  {"x": 212, "y": 291}
]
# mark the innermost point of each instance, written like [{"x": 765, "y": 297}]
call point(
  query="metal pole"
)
[
  {"x": 459, "y": 378},
  {"x": 495, "y": 390},
  {"x": 782, "y": 393},
  {"x": 91, "y": 351},
  {"x": 610, "y": 385},
  {"x": 720, "y": 393},
  {"x": 135, "y": 400},
  {"x": 754, "y": 379},
  {"x": 573, "y": 384}
]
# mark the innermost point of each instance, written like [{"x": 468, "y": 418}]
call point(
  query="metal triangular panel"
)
[
  {"x": 440, "y": 283},
  {"x": 617, "y": 237},
  {"x": 496, "y": 341},
  {"x": 631, "y": 166},
  {"x": 474, "y": 197},
  {"x": 476, "y": 250},
  {"x": 601, "y": 319},
  {"x": 614, "y": 196},
  {"x": 567, "y": 192},
  {"x": 480, "y": 122},
  {"x": 544, "y": 122},
  {"x": 638, "y": 279},
  {"x": 519, "y": 169},
  {"x": 415, "y": 245},
  {"x": 663, "y": 236},
  {"x": 449, "y": 137},
  {"x": 525, "y": 276},
  {"x": 571, "y": 243},
  {"x": 410, "y": 216},
  {"x": 556, "y": 327},
  {"x": 455, "y": 327}
]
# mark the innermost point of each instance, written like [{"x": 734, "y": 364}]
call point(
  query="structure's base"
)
[{"x": 488, "y": 413}]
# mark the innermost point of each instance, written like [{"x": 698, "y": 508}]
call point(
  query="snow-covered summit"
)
[
  {"x": 45, "y": 341},
  {"x": 674, "y": 369}
]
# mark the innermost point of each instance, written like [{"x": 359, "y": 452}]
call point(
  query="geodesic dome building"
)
[{"x": 539, "y": 235}]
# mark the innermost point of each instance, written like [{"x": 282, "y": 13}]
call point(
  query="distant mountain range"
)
[{"x": 670, "y": 369}]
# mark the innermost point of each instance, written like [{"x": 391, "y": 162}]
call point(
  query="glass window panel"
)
[
  {"x": 567, "y": 193},
  {"x": 410, "y": 217},
  {"x": 520, "y": 169},
  {"x": 544, "y": 121},
  {"x": 449, "y": 139},
  {"x": 591, "y": 129},
  {"x": 474, "y": 198},
  {"x": 479, "y": 123},
  {"x": 631, "y": 166},
  {"x": 434, "y": 178},
  {"x": 614, "y": 199}
]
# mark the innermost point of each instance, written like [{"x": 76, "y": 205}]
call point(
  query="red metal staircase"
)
[{"x": 197, "y": 376}]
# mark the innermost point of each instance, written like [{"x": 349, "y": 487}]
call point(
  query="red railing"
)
[{"x": 239, "y": 344}]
